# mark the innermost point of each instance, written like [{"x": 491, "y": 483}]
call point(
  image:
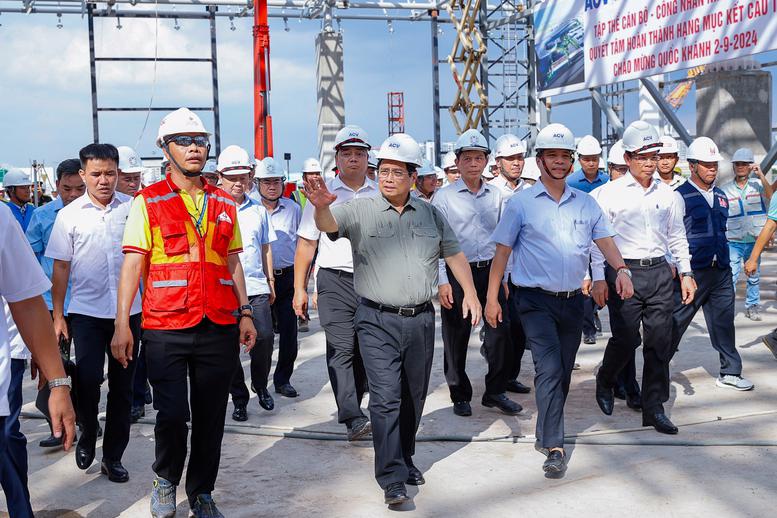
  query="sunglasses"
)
[{"x": 187, "y": 140}]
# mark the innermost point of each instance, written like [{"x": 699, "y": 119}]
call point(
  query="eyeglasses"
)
[
  {"x": 395, "y": 173},
  {"x": 644, "y": 159},
  {"x": 188, "y": 140}
]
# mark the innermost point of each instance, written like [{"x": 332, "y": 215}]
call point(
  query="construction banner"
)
[{"x": 588, "y": 43}]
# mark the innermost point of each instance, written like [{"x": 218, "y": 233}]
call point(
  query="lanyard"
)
[{"x": 202, "y": 214}]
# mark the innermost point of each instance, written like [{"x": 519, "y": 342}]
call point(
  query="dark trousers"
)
[
  {"x": 287, "y": 326},
  {"x": 191, "y": 367},
  {"x": 42, "y": 399},
  {"x": 140, "y": 379},
  {"x": 337, "y": 303},
  {"x": 13, "y": 449},
  {"x": 651, "y": 306},
  {"x": 715, "y": 296},
  {"x": 397, "y": 354},
  {"x": 516, "y": 336},
  {"x": 92, "y": 337},
  {"x": 553, "y": 327},
  {"x": 455, "y": 338},
  {"x": 627, "y": 377},
  {"x": 261, "y": 354},
  {"x": 589, "y": 310}
]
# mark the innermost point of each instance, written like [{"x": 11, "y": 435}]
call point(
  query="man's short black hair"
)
[
  {"x": 68, "y": 167},
  {"x": 98, "y": 152}
]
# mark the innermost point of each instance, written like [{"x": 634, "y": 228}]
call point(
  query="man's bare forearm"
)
[
  {"x": 303, "y": 258},
  {"x": 59, "y": 281},
  {"x": 325, "y": 220},
  {"x": 129, "y": 280}
]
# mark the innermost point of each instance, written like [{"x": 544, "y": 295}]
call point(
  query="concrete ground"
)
[{"x": 721, "y": 463}]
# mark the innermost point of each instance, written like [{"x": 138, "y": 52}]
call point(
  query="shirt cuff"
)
[
  {"x": 684, "y": 266},
  {"x": 127, "y": 249},
  {"x": 597, "y": 274}
]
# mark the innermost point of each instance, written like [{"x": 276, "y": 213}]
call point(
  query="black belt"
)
[
  {"x": 559, "y": 294},
  {"x": 403, "y": 311},
  {"x": 644, "y": 263},
  {"x": 339, "y": 273},
  {"x": 479, "y": 265},
  {"x": 282, "y": 271}
]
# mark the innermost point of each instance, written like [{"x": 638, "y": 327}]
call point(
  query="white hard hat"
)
[
  {"x": 555, "y": 136},
  {"x": 150, "y": 175},
  {"x": 268, "y": 168},
  {"x": 588, "y": 145},
  {"x": 449, "y": 160},
  {"x": 352, "y": 136},
  {"x": 311, "y": 165},
  {"x": 509, "y": 145},
  {"x": 16, "y": 178},
  {"x": 439, "y": 172},
  {"x": 402, "y": 148},
  {"x": 668, "y": 146},
  {"x": 743, "y": 154},
  {"x": 530, "y": 170},
  {"x": 471, "y": 140},
  {"x": 641, "y": 137},
  {"x": 615, "y": 155},
  {"x": 372, "y": 160},
  {"x": 703, "y": 149},
  {"x": 427, "y": 169},
  {"x": 234, "y": 160},
  {"x": 129, "y": 160},
  {"x": 182, "y": 120},
  {"x": 209, "y": 167},
  {"x": 487, "y": 174}
]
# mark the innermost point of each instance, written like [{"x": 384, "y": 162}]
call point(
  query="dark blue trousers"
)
[
  {"x": 13, "y": 449},
  {"x": 287, "y": 326}
]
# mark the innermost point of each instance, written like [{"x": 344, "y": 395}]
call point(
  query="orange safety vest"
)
[{"x": 187, "y": 277}]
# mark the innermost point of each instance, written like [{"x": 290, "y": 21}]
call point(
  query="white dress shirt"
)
[
  {"x": 285, "y": 221},
  {"x": 256, "y": 230},
  {"x": 21, "y": 278},
  {"x": 676, "y": 181},
  {"x": 334, "y": 254},
  {"x": 90, "y": 238},
  {"x": 501, "y": 182},
  {"x": 648, "y": 223}
]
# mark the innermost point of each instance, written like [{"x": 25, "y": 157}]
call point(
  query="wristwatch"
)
[
  {"x": 61, "y": 382},
  {"x": 688, "y": 274},
  {"x": 624, "y": 269}
]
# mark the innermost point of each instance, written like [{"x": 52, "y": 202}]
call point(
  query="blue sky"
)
[{"x": 46, "y": 102}]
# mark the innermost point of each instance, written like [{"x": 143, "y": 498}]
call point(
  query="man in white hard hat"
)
[
  {"x": 337, "y": 300},
  {"x": 235, "y": 170},
  {"x": 390, "y": 236},
  {"x": 210, "y": 173},
  {"x": 668, "y": 156},
  {"x": 589, "y": 176},
  {"x": 748, "y": 195},
  {"x": 372, "y": 165},
  {"x": 18, "y": 188},
  {"x": 425, "y": 182},
  {"x": 440, "y": 176},
  {"x": 310, "y": 167},
  {"x": 705, "y": 209},
  {"x": 549, "y": 268},
  {"x": 449, "y": 166},
  {"x": 285, "y": 217},
  {"x": 616, "y": 162},
  {"x": 490, "y": 172},
  {"x": 473, "y": 208},
  {"x": 183, "y": 235},
  {"x": 646, "y": 217},
  {"x": 130, "y": 170}
]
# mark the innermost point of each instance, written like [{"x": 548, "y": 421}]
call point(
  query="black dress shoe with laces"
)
[
  {"x": 395, "y": 493},
  {"x": 358, "y": 428},
  {"x": 462, "y": 408},
  {"x": 660, "y": 422},
  {"x": 517, "y": 387},
  {"x": 555, "y": 462},
  {"x": 115, "y": 471},
  {"x": 136, "y": 413},
  {"x": 240, "y": 413},
  {"x": 604, "y": 398},
  {"x": 265, "y": 399},
  {"x": 502, "y": 402},
  {"x": 84, "y": 452},
  {"x": 414, "y": 475},
  {"x": 286, "y": 390}
]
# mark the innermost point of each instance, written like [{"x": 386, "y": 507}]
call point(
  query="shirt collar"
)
[
  {"x": 631, "y": 181},
  {"x": 386, "y": 205},
  {"x": 502, "y": 181},
  {"x": 337, "y": 183},
  {"x": 460, "y": 186},
  {"x": 208, "y": 188},
  {"x": 540, "y": 190},
  {"x": 583, "y": 178},
  {"x": 85, "y": 201},
  {"x": 703, "y": 191},
  {"x": 247, "y": 202}
]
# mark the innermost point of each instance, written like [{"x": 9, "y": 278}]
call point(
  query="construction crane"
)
[
  {"x": 681, "y": 91},
  {"x": 262, "y": 118}
]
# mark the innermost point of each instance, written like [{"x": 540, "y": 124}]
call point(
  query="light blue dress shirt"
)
[
  {"x": 578, "y": 180},
  {"x": 550, "y": 241},
  {"x": 285, "y": 221},
  {"x": 472, "y": 216},
  {"x": 38, "y": 233},
  {"x": 256, "y": 230}
]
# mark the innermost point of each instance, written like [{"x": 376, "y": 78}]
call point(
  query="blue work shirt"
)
[
  {"x": 285, "y": 220},
  {"x": 22, "y": 214},
  {"x": 256, "y": 230},
  {"x": 550, "y": 241},
  {"x": 38, "y": 233},
  {"x": 578, "y": 180}
]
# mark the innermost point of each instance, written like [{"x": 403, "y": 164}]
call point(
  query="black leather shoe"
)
[
  {"x": 634, "y": 401},
  {"x": 136, "y": 413},
  {"x": 619, "y": 393},
  {"x": 50, "y": 442},
  {"x": 414, "y": 475},
  {"x": 114, "y": 470},
  {"x": 589, "y": 339},
  {"x": 555, "y": 462},
  {"x": 604, "y": 398},
  {"x": 502, "y": 402},
  {"x": 462, "y": 408},
  {"x": 395, "y": 493},
  {"x": 265, "y": 399},
  {"x": 84, "y": 452},
  {"x": 660, "y": 422},
  {"x": 517, "y": 387},
  {"x": 286, "y": 390},
  {"x": 240, "y": 413},
  {"x": 358, "y": 428}
]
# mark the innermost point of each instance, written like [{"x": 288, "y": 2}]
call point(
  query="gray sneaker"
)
[
  {"x": 752, "y": 313},
  {"x": 734, "y": 382},
  {"x": 162, "y": 499},
  {"x": 204, "y": 507}
]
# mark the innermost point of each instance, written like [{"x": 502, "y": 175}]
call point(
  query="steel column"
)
[{"x": 215, "y": 74}]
